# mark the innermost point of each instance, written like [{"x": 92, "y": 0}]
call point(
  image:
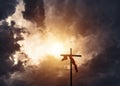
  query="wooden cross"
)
[{"x": 72, "y": 61}]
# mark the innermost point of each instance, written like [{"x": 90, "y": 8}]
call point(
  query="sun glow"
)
[
  {"x": 56, "y": 49},
  {"x": 38, "y": 50}
]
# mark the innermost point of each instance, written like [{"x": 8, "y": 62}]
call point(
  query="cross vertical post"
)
[{"x": 70, "y": 67}]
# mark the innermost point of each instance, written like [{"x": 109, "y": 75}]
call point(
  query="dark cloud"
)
[
  {"x": 101, "y": 70},
  {"x": 7, "y": 8},
  {"x": 8, "y": 47},
  {"x": 87, "y": 16},
  {"x": 34, "y": 11},
  {"x": 98, "y": 17},
  {"x": 2, "y": 82}
]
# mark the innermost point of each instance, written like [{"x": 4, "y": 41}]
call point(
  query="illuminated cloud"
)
[{"x": 91, "y": 28}]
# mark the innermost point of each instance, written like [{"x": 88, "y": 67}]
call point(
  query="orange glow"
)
[
  {"x": 56, "y": 49},
  {"x": 37, "y": 47},
  {"x": 53, "y": 41}
]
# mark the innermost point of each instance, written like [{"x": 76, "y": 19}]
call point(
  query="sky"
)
[{"x": 33, "y": 34}]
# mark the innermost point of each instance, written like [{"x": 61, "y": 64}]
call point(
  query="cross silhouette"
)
[{"x": 72, "y": 61}]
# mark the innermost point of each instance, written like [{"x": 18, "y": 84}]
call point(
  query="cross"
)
[{"x": 72, "y": 61}]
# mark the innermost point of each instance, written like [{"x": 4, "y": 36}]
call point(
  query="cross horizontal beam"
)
[{"x": 71, "y": 55}]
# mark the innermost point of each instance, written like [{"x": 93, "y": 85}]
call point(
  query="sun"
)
[{"x": 56, "y": 49}]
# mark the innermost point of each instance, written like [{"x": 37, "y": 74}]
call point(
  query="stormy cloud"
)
[
  {"x": 34, "y": 11},
  {"x": 97, "y": 20},
  {"x": 8, "y": 47},
  {"x": 7, "y": 8}
]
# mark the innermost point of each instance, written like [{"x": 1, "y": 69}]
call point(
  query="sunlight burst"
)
[{"x": 56, "y": 49}]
